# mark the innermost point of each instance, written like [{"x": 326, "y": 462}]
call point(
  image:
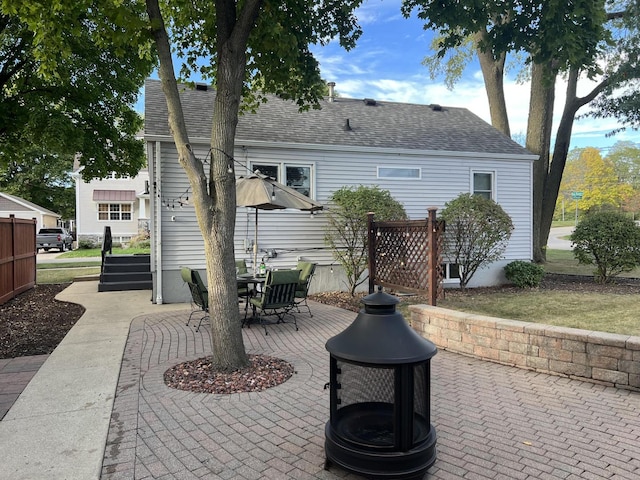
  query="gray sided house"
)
[
  {"x": 425, "y": 155},
  {"x": 21, "y": 208}
]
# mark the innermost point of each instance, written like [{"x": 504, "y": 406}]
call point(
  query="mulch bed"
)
[
  {"x": 34, "y": 323},
  {"x": 197, "y": 376}
]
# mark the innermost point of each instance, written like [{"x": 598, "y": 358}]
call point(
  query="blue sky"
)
[{"x": 387, "y": 65}]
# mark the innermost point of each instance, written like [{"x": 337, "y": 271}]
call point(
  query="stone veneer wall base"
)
[{"x": 604, "y": 358}]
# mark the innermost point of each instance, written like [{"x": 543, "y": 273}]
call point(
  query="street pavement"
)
[{"x": 556, "y": 240}]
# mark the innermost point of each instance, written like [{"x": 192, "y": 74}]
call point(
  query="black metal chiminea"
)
[{"x": 379, "y": 424}]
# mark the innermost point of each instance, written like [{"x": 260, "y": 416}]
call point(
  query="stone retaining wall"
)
[{"x": 605, "y": 358}]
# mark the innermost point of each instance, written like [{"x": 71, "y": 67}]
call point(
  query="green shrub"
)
[
  {"x": 524, "y": 274},
  {"x": 608, "y": 240},
  {"x": 476, "y": 234},
  {"x": 85, "y": 244},
  {"x": 141, "y": 240},
  {"x": 346, "y": 232}
]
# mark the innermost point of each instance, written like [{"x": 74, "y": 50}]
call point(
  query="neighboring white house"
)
[
  {"x": 21, "y": 208},
  {"x": 425, "y": 155},
  {"x": 120, "y": 203}
]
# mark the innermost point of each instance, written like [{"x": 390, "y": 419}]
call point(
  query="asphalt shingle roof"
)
[
  {"x": 10, "y": 202},
  {"x": 387, "y": 125}
]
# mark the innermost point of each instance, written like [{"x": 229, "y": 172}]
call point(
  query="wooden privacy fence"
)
[
  {"x": 406, "y": 255},
  {"x": 17, "y": 256}
]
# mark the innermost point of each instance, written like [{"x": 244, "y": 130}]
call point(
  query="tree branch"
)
[{"x": 192, "y": 166}]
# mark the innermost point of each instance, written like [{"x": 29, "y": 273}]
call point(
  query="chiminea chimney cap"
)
[{"x": 380, "y": 303}]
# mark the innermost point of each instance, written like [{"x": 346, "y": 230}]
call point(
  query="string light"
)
[{"x": 183, "y": 199}]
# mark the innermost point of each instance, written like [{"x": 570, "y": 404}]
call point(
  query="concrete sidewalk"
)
[
  {"x": 58, "y": 426},
  {"x": 557, "y": 238}
]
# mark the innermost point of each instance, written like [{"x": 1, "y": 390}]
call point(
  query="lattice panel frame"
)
[{"x": 401, "y": 254}]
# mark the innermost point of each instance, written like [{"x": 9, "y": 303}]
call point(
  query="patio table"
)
[{"x": 255, "y": 281}]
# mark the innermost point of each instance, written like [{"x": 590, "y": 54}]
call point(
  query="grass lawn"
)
[
  {"x": 563, "y": 261},
  {"x": 66, "y": 272},
  {"x": 589, "y": 311},
  {"x": 604, "y": 312},
  {"x": 96, "y": 252}
]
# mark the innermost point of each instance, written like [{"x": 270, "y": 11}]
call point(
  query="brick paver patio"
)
[
  {"x": 15, "y": 374},
  {"x": 493, "y": 421}
]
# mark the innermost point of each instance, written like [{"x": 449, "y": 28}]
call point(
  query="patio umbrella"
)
[{"x": 264, "y": 193}]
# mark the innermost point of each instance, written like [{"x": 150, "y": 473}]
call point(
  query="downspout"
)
[
  {"x": 77, "y": 180},
  {"x": 158, "y": 218}
]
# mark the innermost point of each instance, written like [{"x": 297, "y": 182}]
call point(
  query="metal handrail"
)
[{"x": 107, "y": 243}]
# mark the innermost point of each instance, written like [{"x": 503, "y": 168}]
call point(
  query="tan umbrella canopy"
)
[{"x": 264, "y": 193}]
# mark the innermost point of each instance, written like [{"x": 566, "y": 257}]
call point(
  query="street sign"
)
[{"x": 576, "y": 195}]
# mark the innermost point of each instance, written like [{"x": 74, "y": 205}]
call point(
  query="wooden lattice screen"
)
[{"x": 406, "y": 255}]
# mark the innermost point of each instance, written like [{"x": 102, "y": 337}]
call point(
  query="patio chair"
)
[
  {"x": 244, "y": 292},
  {"x": 241, "y": 267},
  {"x": 199, "y": 294},
  {"x": 307, "y": 269},
  {"x": 277, "y": 297}
]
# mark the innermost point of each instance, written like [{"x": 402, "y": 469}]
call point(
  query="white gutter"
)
[
  {"x": 77, "y": 179},
  {"x": 158, "y": 219}
]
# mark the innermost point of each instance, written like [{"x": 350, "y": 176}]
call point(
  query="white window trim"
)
[
  {"x": 282, "y": 169},
  {"x": 396, "y": 167},
  {"x": 446, "y": 277},
  {"x": 109, "y": 211},
  {"x": 494, "y": 190}
]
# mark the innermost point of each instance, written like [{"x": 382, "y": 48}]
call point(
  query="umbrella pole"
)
[{"x": 255, "y": 246}]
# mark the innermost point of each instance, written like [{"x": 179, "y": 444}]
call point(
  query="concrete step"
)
[
  {"x": 127, "y": 259},
  {"x": 111, "y": 277},
  {"x": 124, "y": 286},
  {"x": 126, "y": 272}
]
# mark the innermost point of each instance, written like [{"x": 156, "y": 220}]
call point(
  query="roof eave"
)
[{"x": 356, "y": 149}]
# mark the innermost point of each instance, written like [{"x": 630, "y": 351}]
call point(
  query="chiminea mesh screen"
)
[
  {"x": 366, "y": 408},
  {"x": 364, "y": 384},
  {"x": 421, "y": 382}
]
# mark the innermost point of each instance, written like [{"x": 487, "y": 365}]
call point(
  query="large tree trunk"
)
[
  {"x": 561, "y": 150},
  {"x": 214, "y": 200},
  {"x": 559, "y": 159},
  {"x": 538, "y": 142},
  {"x": 493, "y": 74},
  {"x": 232, "y": 34}
]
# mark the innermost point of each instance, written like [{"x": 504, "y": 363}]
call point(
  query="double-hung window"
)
[
  {"x": 298, "y": 176},
  {"x": 114, "y": 211},
  {"x": 483, "y": 183},
  {"x": 450, "y": 272}
]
